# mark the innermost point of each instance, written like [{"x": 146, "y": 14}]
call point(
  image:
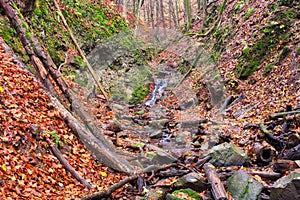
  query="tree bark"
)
[{"x": 217, "y": 187}]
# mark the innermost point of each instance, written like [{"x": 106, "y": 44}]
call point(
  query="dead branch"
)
[
  {"x": 109, "y": 191},
  {"x": 268, "y": 175},
  {"x": 226, "y": 103},
  {"x": 217, "y": 188},
  {"x": 283, "y": 114},
  {"x": 275, "y": 142},
  {"x": 202, "y": 161},
  {"x": 81, "y": 52},
  {"x": 68, "y": 167}
]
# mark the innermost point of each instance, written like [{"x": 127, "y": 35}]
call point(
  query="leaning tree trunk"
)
[{"x": 45, "y": 66}]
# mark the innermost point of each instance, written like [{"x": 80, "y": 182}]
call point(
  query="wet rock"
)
[
  {"x": 187, "y": 104},
  {"x": 209, "y": 141},
  {"x": 293, "y": 154},
  {"x": 227, "y": 154},
  {"x": 192, "y": 180},
  {"x": 156, "y": 193},
  {"x": 242, "y": 186},
  {"x": 184, "y": 138},
  {"x": 196, "y": 144},
  {"x": 287, "y": 187},
  {"x": 158, "y": 124},
  {"x": 163, "y": 158},
  {"x": 114, "y": 127},
  {"x": 156, "y": 134}
]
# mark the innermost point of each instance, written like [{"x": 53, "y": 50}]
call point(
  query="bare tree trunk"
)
[
  {"x": 148, "y": 14},
  {"x": 173, "y": 13},
  {"x": 157, "y": 13},
  {"x": 162, "y": 15},
  {"x": 125, "y": 9},
  {"x": 145, "y": 14},
  {"x": 177, "y": 12},
  {"x": 199, "y": 5},
  {"x": 187, "y": 14},
  {"x": 152, "y": 13},
  {"x": 134, "y": 6}
]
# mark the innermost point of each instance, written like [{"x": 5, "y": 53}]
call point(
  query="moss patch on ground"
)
[{"x": 278, "y": 30}]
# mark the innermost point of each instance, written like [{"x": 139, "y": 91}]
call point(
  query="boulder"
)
[
  {"x": 287, "y": 187},
  {"x": 227, "y": 154},
  {"x": 242, "y": 186}
]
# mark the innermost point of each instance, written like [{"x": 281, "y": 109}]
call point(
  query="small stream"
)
[{"x": 160, "y": 85}]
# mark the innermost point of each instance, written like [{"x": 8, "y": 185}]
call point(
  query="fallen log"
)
[
  {"x": 268, "y": 175},
  {"x": 17, "y": 23},
  {"x": 275, "y": 142},
  {"x": 283, "y": 165},
  {"x": 217, "y": 188},
  {"x": 175, "y": 172},
  {"x": 100, "y": 149},
  {"x": 283, "y": 114},
  {"x": 264, "y": 152}
]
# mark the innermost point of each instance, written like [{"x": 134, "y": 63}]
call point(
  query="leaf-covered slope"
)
[
  {"x": 29, "y": 124},
  {"x": 256, "y": 46}
]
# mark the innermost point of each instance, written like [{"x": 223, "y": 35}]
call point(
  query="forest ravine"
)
[{"x": 255, "y": 46}]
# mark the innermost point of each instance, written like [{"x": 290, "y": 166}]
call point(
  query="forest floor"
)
[{"x": 29, "y": 124}]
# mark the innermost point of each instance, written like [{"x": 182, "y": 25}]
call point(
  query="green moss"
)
[
  {"x": 12, "y": 40},
  {"x": 189, "y": 192},
  {"x": 298, "y": 50},
  {"x": 286, "y": 2},
  {"x": 89, "y": 22},
  {"x": 248, "y": 13},
  {"x": 221, "y": 34},
  {"x": 238, "y": 6},
  {"x": 269, "y": 67},
  {"x": 275, "y": 31},
  {"x": 139, "y": 94}
]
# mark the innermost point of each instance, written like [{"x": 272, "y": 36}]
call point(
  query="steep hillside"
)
[
  {"x": 256, "y": 46},
  {"x": 250, "y": 47}
]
